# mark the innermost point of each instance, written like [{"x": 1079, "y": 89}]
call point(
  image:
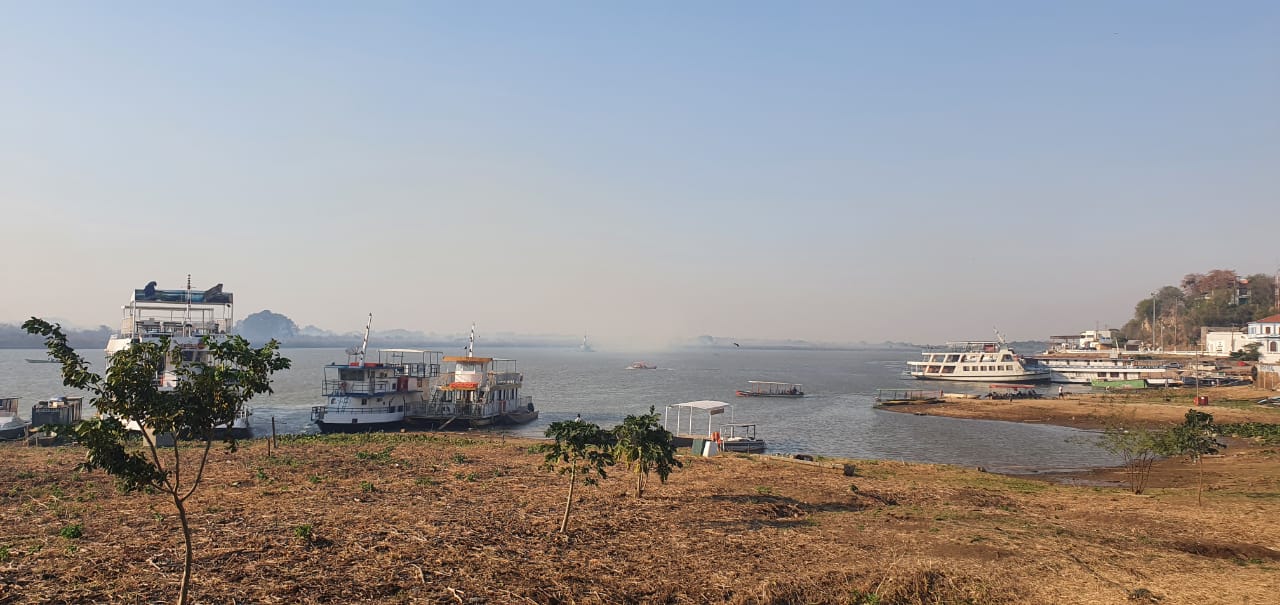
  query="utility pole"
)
[{"x": 1153, "y": 321}]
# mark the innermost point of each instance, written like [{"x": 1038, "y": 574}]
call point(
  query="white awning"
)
[{"x": 710, "y": 407}]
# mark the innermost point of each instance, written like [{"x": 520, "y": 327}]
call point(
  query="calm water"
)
[{"x": 835, "y": 419}]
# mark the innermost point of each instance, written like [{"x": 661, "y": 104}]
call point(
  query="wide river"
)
[{"x": 837, "y": 418}]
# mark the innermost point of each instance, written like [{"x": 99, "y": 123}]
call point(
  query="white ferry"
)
[
  {"x": 185, "y": 317},
  {"x": 1075, "y": 369},
  {"x": 374, "y": 396},
  {"x": 976, "y": 361}
]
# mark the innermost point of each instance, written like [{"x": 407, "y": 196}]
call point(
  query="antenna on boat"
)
[
  {"x": 186, "y": 322},
  {"x": 471, "y": 343},
  {"x": 999, "y": 336},
  {"x": 364, "y": 344}
]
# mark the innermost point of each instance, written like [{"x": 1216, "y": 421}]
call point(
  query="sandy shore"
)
[{"x": 1093, "y": 411}]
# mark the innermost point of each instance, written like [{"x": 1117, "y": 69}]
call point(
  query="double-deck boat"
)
[
  {"x": 976, "y": 361},
  {"x": 12, "y": 426},
  {"x": 185, "y": 317},
  {"x": 760, "y": 388},
  {"x": 476, "y": 392},
  {"x": 365, "y": 395},
  {"x": 1079, "y": 369}
]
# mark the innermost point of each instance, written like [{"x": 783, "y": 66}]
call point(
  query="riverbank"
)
[
  {"x": 472, "y": 519},
  {"x": 1154, "y": 407}
]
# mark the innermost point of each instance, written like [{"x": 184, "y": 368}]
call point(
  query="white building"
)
[
  {"x": 1225, "y": 342},
  {"x": 1266, "y": 332}
]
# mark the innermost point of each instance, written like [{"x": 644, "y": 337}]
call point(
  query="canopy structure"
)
[{"x": 710, "y": 408}]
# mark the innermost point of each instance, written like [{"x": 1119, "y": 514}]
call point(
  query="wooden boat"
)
[
  {"x": 907, "y": 396},
  {"x": 761, "y": 388}
]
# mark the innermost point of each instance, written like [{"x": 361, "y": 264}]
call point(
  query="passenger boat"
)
[
  {"x": 12, "y": 426},
  {"x": 1078, "y": 369},
  {"x": 976, "y": 361},
  {"x": 185, "y": 317},
  {"x": 640, "y": 365},
  {"x": 475, "y": 392},
  {"x": 365, "y": 395},
  {"x": 760, "y": 388},
  {"x": 740, "y": 438}
]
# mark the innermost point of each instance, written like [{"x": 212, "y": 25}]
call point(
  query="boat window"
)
[{"x": 350, "y": 374}]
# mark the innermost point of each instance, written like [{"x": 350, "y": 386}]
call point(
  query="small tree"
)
[
  {"x": 576, "y": 444},
  {"x": 1195, "y": 437},
  {"x": 645, "y": 445},
  {"x": 1138, "y": 447},
  {"x": 204, "y": 396}
]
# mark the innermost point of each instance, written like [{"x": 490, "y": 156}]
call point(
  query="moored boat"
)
[
  {"x": 760, "y": 388},
  {"x": 57, "y": 410},
  {"x": 365, "y": 395},
  {"x": 976, "y": 361},
  {"x": 12, "y": 426},
  {"x": 1079, "y": 369},
  {"x": 740, "y": 438},
  {"x": 186, "y": 318},
  {"x": 475, "y": 392}
]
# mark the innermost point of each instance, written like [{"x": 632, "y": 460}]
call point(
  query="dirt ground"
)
[{"x": 448, "y": 518}]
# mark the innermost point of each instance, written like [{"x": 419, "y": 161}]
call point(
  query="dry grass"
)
[{"x": 455, "y": 519}]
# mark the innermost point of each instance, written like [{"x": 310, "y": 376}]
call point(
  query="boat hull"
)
[
  {"x": 782, "y": 395},
  {"x": 11, "y": 432}
]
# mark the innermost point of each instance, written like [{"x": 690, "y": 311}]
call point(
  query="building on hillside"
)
[
  {"x": 1266, "y": 332},
  {"x": 1224, "y": 342},
  {"x": 1086, "y": 341}
]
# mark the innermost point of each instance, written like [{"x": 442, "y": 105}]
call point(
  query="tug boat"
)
[{"x": 362, "y": 396}]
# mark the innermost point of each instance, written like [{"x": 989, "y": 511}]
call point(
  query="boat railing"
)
[
  {"x": 333, "y": 387},
  {"x": 454, "y": 409}
]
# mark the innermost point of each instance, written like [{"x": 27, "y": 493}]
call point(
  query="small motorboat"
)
[
  {"x": 640, "y": 365},
  {"x": 740, "y": 438}
]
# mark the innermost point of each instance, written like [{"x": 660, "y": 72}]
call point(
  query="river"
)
[{"x": 837, "y": 418}]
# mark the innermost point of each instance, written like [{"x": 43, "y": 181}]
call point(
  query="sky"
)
[{"x": 642, "y": 171}]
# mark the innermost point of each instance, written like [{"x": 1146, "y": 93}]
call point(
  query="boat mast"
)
[
  {"x": 186, "y": 322},
  {"x": 364, "y": 344},
  {"x": 471, "y": 343}
]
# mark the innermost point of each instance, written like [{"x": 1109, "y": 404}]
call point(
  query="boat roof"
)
[
  {"x": 471, "y": 359},
  {"x": 705, "y": 404},
  {"x": 790, "y": 384},
  {"x": 212, "y": 296},
  {"x": 408, "y": 351}
]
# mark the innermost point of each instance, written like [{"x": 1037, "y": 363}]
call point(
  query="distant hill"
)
[{"x": 12, "y": 336}]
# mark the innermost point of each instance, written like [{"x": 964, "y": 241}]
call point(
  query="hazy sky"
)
[{"x": 639, "y": 171}]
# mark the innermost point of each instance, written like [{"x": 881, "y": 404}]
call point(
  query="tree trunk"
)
[
  {"x": 568, "y": 503},
  {"x": 1199, "y": 479},
  {"x": 639, "y": 483},
  {"x": 186, "y": 536}
]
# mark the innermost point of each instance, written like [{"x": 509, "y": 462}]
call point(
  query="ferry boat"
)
[
  {"x": 1077, "y": 369},
  {"x": 12, "y": 426},
  {"x": 475, "y": 392},
  {"x": 185, "y": 317},
  {"x": 760, "y": 388},
  {"x": 976, "y": 361},
  {"x": 365, "y": 395}
]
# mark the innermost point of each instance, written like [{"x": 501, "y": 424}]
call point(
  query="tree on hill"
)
[
  {"x": 265, "y": 325},
  {"x": 1218, "y": 298},
  {"x": 645, "y": 445},
  {"x": 206, "y": 394}
]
